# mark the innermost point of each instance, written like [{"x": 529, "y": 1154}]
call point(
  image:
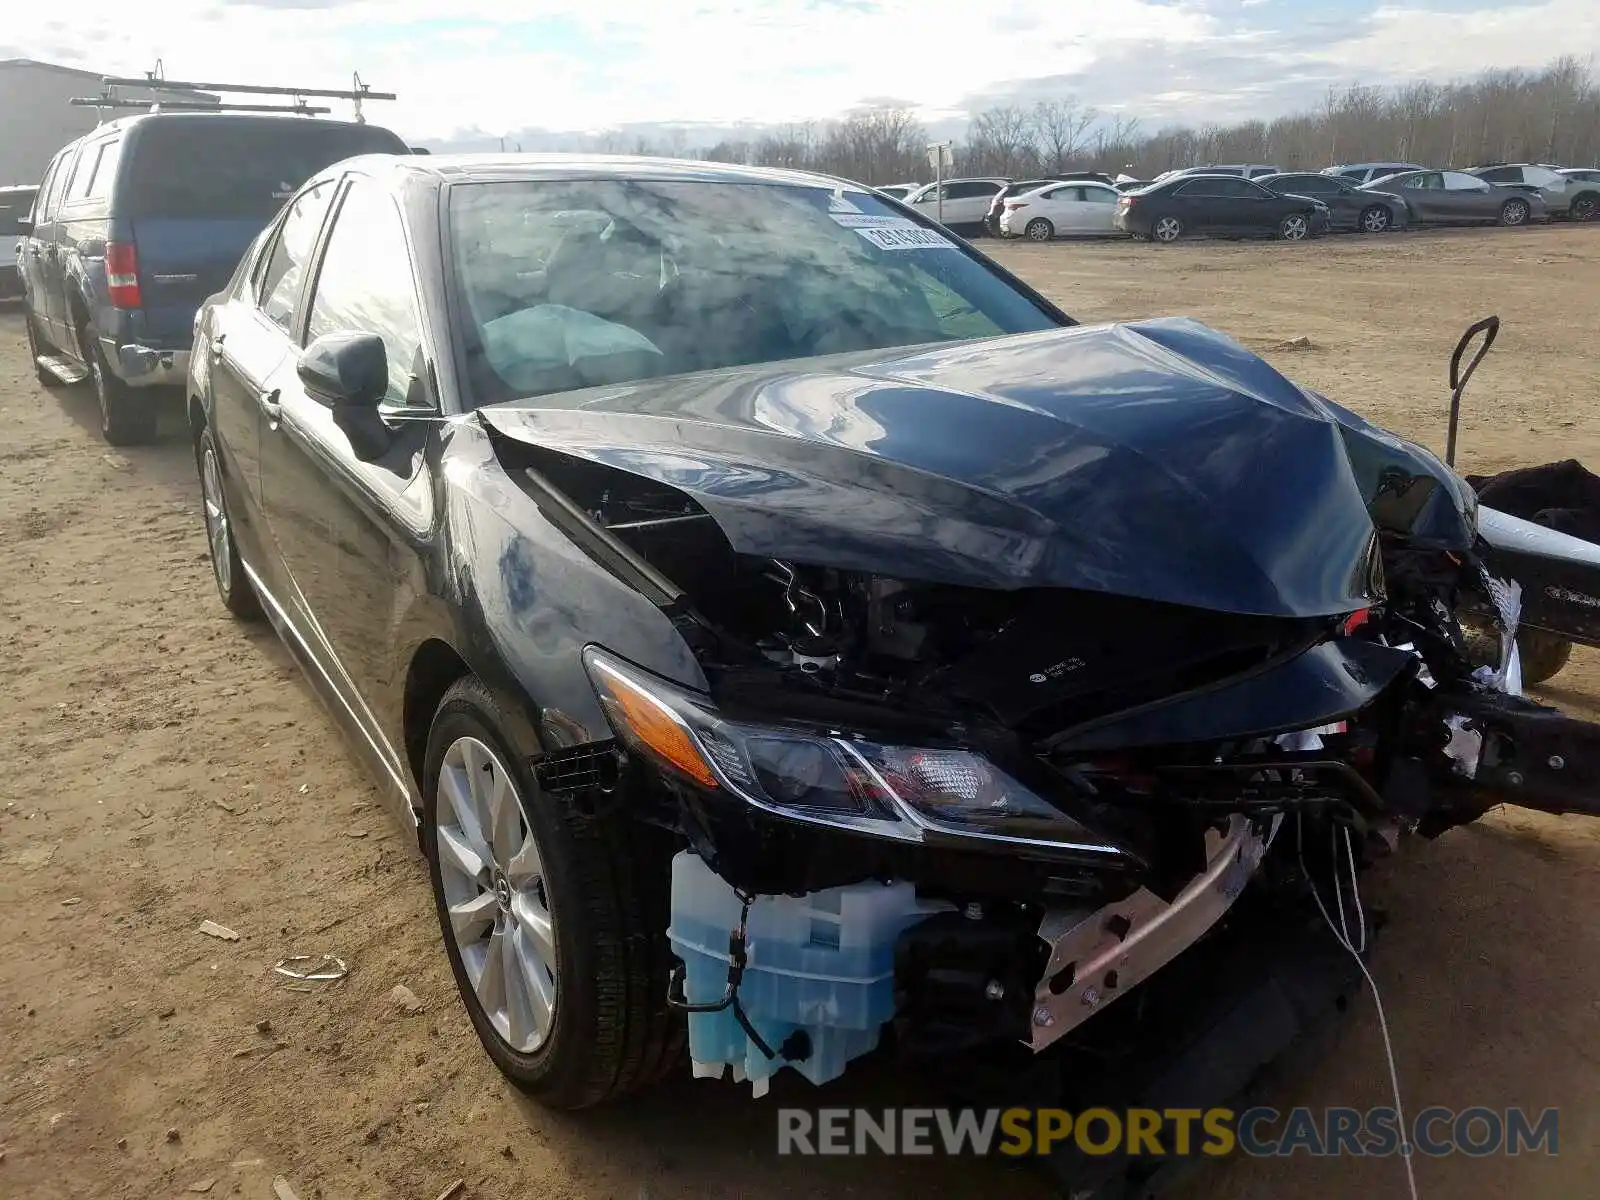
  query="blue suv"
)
[{"x": 140, "y": 220}]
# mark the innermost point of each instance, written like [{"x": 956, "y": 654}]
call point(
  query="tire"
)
[
  {"x": 601, "y": 886},
  {"x": 45, "y": 378},
  {"x": 1039, "y": 230},
  {"x": 1543, "y": 655},
  {"x": 1166, "y": 229},
  {"x": 126, "y": 418},
  {"x": 227, "y": 568},
  {"x": 1375, "y": 219},
  {"x": 1584, "y": 207},
  {"x": 1296, "y": 227},
  {"x": 1514, "y": 212}
]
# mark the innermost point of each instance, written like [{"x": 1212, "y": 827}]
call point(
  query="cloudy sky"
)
[{"x": 494, "y": 66}]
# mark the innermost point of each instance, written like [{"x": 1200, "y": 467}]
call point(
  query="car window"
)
[
  {"x": 1309, "y": 185},
  {"x": 1501, "y": 175},
  {"x": 1457, "y": 181},
  {"x": 297, "y": 235},
  {"x": 1196, "y": 187},
  {"x": 217, "y": 167},
  {"x": 105, "y": 170},
  {"x": 681, "y": 276},
  {"x": 58, "y": 182},
  {"x": 969, "y": 191},
  {"x": 1359, "y": 174},
  {"x": 1098, "y": 195},
  {"x": 14, "y": 207},
  {"x": 1542, "y": 176},
  {"x": 365, "y": 283},
  {"x": 1423, "y": 181}
]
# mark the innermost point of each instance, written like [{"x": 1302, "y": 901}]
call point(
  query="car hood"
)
[{"x": 1157, "y": 459}]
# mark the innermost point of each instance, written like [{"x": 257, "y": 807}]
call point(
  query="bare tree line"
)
[{"x": 1550, "y": 115}]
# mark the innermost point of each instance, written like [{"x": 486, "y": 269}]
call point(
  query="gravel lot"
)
[{"x": 162, "y": 767}]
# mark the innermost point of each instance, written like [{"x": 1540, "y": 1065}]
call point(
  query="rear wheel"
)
[
  {"x": 233, "y": 584},
  {"x": 1584, "y": 207},
  {"x": 1514, "y": 212},
  {"x": 1296, "y": 227},
  {"x": 554, "y": 920},
  {"x": 1375, "y": 219},
  {"x": 1040, "y": 230},
  {"x": 1167, "y": 229},
  {"x": 126, "y": 417}
]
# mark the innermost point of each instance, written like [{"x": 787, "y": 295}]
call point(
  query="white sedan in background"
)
[{"x": 1080, "y": 208}]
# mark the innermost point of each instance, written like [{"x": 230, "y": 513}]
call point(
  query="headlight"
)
[{"x": 905, "y": 793}]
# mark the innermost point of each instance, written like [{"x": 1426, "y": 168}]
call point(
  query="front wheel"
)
[
  {"x": 1167, "y": 229},
  {"x": 1584, "y": 207},
  {"x": 1040, "y": 230},
  {"x": 126, "y": 417},
  {"x": 45, "y": 378},
  {"x": 1376, "y": 219},
  {"x": 1514, "y": 212},
  {"x": 1296, "y": 227},
  {"x": 554, "y": 920},
  {"x": 1542, "y": 655}
]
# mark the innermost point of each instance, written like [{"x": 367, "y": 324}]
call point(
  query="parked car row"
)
[{"x": 1244, "y": 199}]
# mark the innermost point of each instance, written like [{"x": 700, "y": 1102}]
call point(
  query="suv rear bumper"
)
[{"x": 145, "y": 366}]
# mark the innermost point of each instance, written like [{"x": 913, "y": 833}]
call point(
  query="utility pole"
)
[{"x": 939, "y": 157}]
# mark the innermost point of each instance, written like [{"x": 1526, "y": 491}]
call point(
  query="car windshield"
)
[{"x": 573, "y": 283}]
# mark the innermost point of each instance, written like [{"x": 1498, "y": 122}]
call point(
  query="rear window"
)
[{"x": 242, "y": 169}]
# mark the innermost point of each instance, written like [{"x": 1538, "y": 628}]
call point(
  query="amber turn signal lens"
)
[{"x": 653, "y": 727}]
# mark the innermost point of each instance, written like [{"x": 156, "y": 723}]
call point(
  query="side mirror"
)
[
  {"x": 346, "y": 369},
  {"x": 349, "y": 372}
]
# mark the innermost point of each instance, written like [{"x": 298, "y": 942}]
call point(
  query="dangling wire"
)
[{"x": 1344, "y": 940}]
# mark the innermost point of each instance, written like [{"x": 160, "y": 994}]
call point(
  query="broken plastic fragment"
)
[{"x": 326, "y": 969}]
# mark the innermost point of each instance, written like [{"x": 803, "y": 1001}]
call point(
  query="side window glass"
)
[
  {"x": 365, "y": 284},
  {"x": 58, "y": 184},
  {"x": 105, "y": 171},
  {"x": 280, "y": 285},
  {"x": 88, "y": 160}
]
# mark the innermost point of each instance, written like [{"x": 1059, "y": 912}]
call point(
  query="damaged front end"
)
[{"x": 986, "y": 807}]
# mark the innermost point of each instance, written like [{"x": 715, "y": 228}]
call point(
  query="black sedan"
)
[
  {"x": 1349, "y": 207},
  {"x": 775, "y": 618},
  {"x": 1219, "y": 205}
]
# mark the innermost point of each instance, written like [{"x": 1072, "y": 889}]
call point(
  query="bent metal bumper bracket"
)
[{"x": 1096, "y": 955}]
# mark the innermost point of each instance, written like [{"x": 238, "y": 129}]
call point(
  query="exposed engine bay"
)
[{"x": 983, "y": 814}]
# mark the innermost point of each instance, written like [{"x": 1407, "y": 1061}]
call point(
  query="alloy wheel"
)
[
  {"x": 216, "y": 520},
  {"x": 494, "y": 890},
  {"x": 1295, "y": 228},
  {"x": 1375, "y": 220},
  {"x": 1168, "y": 228},
  {"x": 1515, "y": 212},
  {"x": 1039, "y": 231},
  {"x": 1583, "y": 208}
]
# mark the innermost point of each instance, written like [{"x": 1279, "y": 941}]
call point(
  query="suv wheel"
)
[
  {"x": 126, "y": 418},
  {"x": 554, "y": 919},
  {"x": 1584, "y": 207},
  {"x": 1167, "y": 229}
]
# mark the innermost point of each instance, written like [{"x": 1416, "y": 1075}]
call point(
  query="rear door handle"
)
[{"x": 270, "y": 403}]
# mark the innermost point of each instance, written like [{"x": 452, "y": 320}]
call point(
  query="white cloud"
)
[{"x": 488, "y": 66}]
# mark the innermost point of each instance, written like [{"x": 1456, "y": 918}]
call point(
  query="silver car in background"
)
[{"x": 1449, "y": 197}]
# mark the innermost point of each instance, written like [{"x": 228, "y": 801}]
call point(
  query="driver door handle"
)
[{"x": 270, "y": 403}]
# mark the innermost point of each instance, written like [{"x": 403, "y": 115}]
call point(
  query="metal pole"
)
[{"x": 938, "y": 179}]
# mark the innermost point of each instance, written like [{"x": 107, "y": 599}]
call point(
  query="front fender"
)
[{"x": 529, "y": 600}]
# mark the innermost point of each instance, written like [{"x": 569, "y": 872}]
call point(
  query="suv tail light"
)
[{"x": 122, "y": 274}]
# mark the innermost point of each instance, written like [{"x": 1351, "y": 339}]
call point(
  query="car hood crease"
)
[{"x": 1157, "y": 459}]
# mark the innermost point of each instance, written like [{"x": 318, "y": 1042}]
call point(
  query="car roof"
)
[
  {"x": 207, "y": 119},
  {"x": 500, "y": 168}
]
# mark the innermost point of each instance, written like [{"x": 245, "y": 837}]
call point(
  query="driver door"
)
[
  {"x": 346, "y": 529},
  {"x": 1425, "y": 193}
]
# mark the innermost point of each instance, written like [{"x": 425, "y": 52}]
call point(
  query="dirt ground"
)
[{"x": 162, "y": 767}]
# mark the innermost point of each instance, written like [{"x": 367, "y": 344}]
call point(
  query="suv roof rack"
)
[{"x": 197, "y": 100}]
